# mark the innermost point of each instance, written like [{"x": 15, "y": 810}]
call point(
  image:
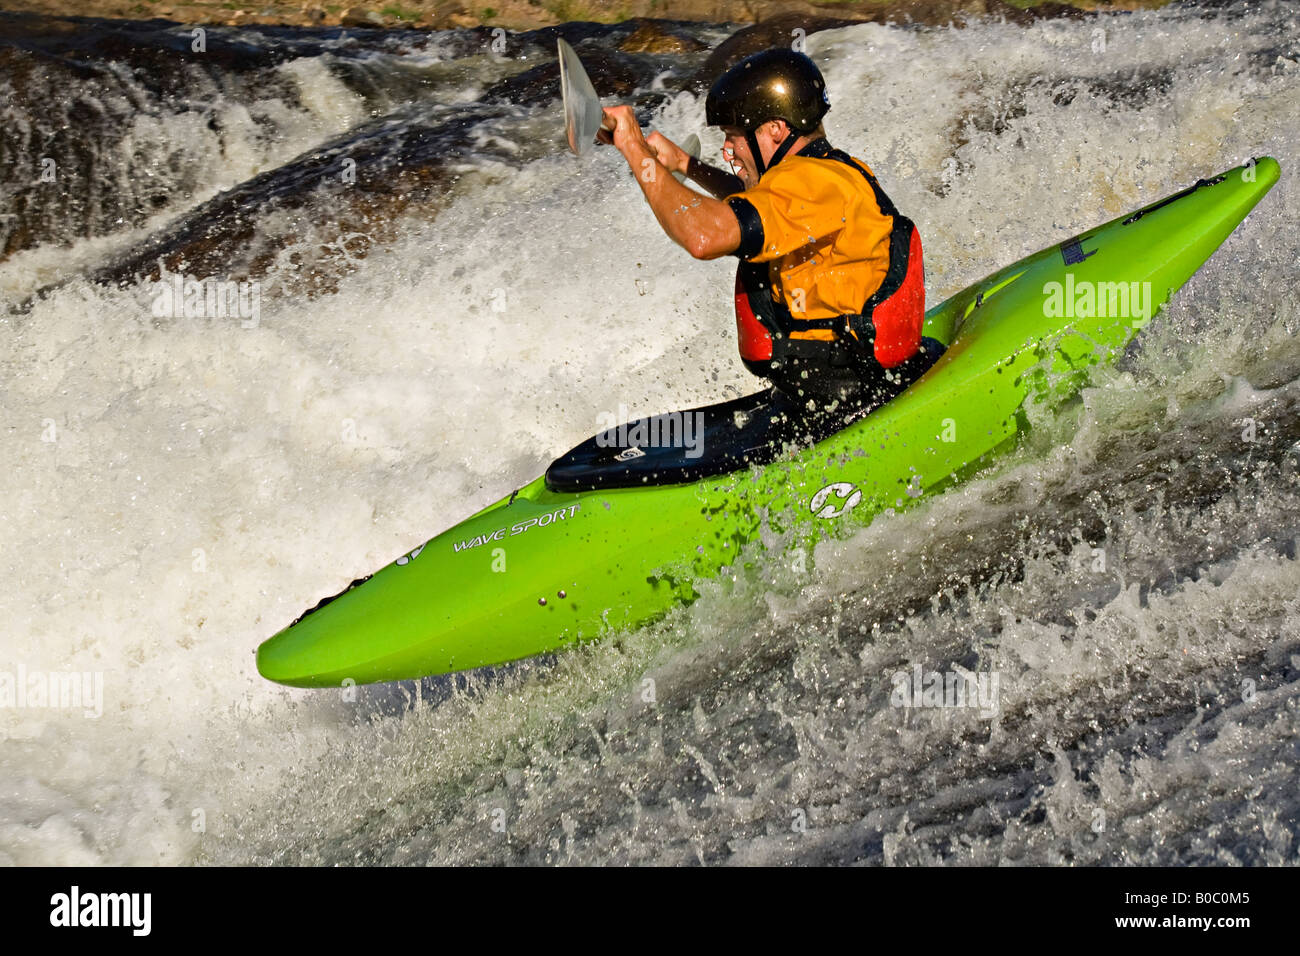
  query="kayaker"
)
[{"x": 830, "y": 292}]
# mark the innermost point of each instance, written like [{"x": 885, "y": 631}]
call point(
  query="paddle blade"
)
[{"x": 582, "y": 113}]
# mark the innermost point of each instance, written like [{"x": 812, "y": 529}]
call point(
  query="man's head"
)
[
  {"x": 769, "y": 137},
  {"x": 764, "y": 104}
]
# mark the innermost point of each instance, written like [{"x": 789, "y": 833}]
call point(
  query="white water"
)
[{"x": 206, "y": 482}]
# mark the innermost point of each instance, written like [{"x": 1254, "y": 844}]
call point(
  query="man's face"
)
[{"x": 738, "y": 156}]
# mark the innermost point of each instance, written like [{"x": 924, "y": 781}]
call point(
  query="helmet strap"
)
[
  {"x": 781, "y": 150},
  {"x": 784, "y": 148},
  {"x": 754, "y": 151}
]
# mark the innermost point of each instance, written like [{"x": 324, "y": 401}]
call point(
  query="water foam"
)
[{"x": 206, "y": 483}]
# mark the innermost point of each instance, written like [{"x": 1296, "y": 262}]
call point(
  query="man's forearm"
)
[
  {"x": 717, "y": 181},
  {"x": 690, "y": 219}
]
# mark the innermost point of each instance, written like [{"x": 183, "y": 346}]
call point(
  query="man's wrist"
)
[{"x": 637, "y": 155}]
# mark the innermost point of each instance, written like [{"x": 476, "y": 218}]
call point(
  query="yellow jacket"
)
[{"x": 818, "y": 225}]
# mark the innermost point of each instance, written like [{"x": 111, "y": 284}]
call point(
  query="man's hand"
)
[
  {"x": 704, "y": 227},
  {"x": 626, "y": 134},
  {"x": 669, "y": 153}
]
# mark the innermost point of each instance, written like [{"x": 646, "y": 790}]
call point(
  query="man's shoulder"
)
[{"x": 799, "y": 168}]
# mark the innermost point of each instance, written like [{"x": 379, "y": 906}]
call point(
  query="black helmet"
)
[{"x": 774, "y": 84}]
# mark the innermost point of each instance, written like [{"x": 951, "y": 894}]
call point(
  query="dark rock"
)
[
  {"x": 651, "y": 37},
  {"x": 761, "y": 36},
  {"x": 610, "y": 75}
]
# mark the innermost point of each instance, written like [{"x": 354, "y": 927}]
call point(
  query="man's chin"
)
[{"x": 743, "y": 174}]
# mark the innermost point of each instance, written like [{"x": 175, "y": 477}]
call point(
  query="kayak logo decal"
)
[
  {"x": 540, "y": 521},
  {"x": 841, "y": 489},
  {"x": 628, "y": 454},
  {"x": 408, "y": 558}
]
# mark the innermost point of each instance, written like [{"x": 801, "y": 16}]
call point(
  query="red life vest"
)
[
  {"x": 886, "y": 332},
  {"x": 755, "y": 339}
]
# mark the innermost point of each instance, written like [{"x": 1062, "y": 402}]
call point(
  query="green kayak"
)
[{"x": 619, "y": 529}]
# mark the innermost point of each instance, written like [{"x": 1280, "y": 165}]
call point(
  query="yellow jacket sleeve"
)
[{"x": 800, "y": 203}]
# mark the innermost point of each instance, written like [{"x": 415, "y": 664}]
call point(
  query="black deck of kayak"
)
[{"x": 696, "y": 443}]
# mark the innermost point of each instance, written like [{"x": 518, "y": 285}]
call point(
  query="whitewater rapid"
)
[{"x": 177, "y": 490}]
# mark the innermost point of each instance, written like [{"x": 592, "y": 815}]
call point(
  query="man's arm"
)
[
  {"x": 704, "y": 227},
  {"x": 718, "y": 182}
]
